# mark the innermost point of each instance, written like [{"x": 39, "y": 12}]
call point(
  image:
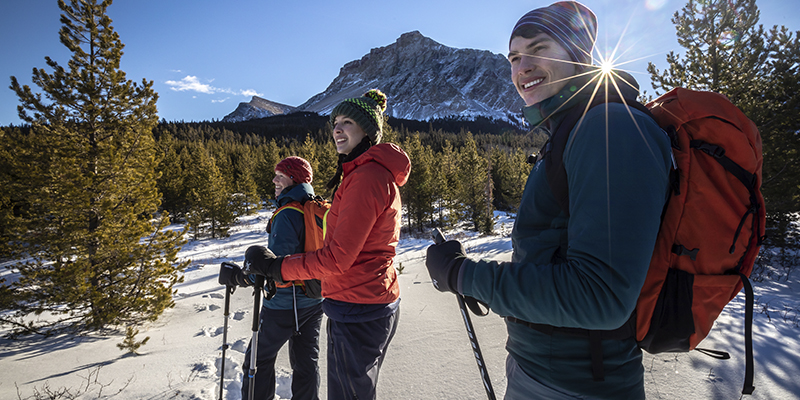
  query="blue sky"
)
[{"x": 206, "y": 56}]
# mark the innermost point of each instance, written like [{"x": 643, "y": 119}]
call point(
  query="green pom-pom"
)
[{"x": 379, "y": 98}]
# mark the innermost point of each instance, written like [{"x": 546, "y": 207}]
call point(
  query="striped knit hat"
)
[
  {"x": 366, "y": 111},
  {"x": 571, "y": 23}
]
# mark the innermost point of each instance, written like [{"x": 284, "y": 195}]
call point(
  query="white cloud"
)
[
  {"x": 192, "y": 83},
  {"x": 220, "y": 100}
]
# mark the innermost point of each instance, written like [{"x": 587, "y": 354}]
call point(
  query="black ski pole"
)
[
  {"x": 251, "y": 374},
  {"x": 228, "y": 291},
  {"x": 438, "y": 238}
]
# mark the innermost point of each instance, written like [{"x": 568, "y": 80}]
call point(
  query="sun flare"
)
[{"x": 606, "y": 67}]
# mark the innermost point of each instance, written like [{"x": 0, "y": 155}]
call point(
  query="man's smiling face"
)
[{"x": 540, "y": 67}]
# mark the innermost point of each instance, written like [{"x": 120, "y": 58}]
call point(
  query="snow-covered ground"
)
[{"x": 429, "y": 358}]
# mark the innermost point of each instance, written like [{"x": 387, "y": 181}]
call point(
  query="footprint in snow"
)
[
  {"x": 211, "y": 332},
  {"x": 283, "y": 381},
  {"x": 206, "y": 307},
  {"x": 232, "y": 366},
  {"x": 216, "y": 296},
  {"x": 239, "y": 315},
  {"x": 241, "y": 345}
]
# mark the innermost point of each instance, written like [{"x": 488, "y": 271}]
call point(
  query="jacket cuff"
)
[{"x": 460, "y": 280}]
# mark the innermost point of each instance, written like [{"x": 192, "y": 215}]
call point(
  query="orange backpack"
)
[
  {"x": 314, "y": 213},
  {"x": 711, "y": 227}
]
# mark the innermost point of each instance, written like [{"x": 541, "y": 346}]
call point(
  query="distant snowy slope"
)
[{"x": 257, "y": 108}]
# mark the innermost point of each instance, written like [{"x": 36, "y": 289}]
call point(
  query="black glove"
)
[
  {"x": 231, "y": 275},
  {"x": 443, "y": 262},
  {"x": 260, "y": 260}
]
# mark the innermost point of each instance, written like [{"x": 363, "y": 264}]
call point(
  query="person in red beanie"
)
[{"x": 290, "y": 314}]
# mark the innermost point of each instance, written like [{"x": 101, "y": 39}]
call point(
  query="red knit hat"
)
[{"x": 296, "y": 168}]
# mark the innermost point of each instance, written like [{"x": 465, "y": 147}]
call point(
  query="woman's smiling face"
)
[{"x": 347, "y": 134}]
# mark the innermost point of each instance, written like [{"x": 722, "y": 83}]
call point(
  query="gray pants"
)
[{"x": 522, "y": 386}]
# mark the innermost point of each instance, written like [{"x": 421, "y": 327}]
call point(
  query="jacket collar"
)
[
  {"x": 297, "y": 192},
  {"x": 579, "y": 90}
]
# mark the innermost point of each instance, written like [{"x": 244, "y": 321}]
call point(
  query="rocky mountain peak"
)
[
  {"x": 424, "y": 79},
  {"x": 256, "y": 108}
]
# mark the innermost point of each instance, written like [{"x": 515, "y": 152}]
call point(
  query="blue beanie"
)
[{"x": 571, "y": 23}]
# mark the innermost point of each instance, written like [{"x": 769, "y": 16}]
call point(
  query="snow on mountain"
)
[{"x": 257, "y": 108}]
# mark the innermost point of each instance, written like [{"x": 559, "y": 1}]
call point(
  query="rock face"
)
[
  {"x": 423, "y": 80},
  {"x": 257, "y": 108}
]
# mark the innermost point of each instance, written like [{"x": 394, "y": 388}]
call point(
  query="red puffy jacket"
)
[{"x": 355, "y": 264}]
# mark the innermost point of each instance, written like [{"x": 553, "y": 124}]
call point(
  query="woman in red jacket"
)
[{"x": 355, "y": 265}]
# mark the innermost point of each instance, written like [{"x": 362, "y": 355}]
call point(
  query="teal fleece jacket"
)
[{"x": 585, "y": 270}]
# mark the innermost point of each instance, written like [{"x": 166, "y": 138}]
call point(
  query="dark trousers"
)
[
  {"x": 276, "y": 328},
  {"x": 355, "y": 354}
]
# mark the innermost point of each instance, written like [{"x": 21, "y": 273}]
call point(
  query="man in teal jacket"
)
[{"x": 580, "y": 270}]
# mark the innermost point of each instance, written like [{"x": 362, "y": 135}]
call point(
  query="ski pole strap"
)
[
  {"x": 595, "y": 337},
  {"x": 719, "y": 355},
  {"x": 748, "y": 336},
  {"x": 474, "y": 305}
]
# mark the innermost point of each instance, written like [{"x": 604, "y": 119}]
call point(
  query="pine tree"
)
[
  {"x": 317, "y": 156},
  {"x": 244, "y": 182},
  {"x": 475, "y": 174},
  {"x": 211, "y": 209},
  {"x": 510, "y": 171},
  {"x": 171, "y": 177},
  {"x": 418, "y": 193},
  {"x": 8, "y": 196},
  {"x": 97, "y": 254},
  {"x": 727, "y": 52},
  {"x": 448, "y": 185},
  {"x": 267, "y": 156},
  {"x": 389, "y": 134}
]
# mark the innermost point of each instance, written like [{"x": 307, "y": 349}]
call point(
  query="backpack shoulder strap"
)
[
  {"x": 553, "y": 150},
  {"x": 294, "y": 205}
]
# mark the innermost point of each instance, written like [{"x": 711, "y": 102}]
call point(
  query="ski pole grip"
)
[{"x": 438, "y": 236}]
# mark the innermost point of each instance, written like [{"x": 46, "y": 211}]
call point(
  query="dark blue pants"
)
[
  {"x": 355, "y": 354},
  {"x": 276, "y": 328}
]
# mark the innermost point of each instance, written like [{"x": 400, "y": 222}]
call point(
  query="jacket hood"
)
[
  {"x": 299, "y": 192},
  {"x": 579, "y": 90},
  {"x": 390, "y": 156}
]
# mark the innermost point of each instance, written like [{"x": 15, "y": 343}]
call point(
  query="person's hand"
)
[
  {"x": 444, "y": 262},
  {"x": 260, "y": 260},
  {"x": 231, "y": 275}
]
